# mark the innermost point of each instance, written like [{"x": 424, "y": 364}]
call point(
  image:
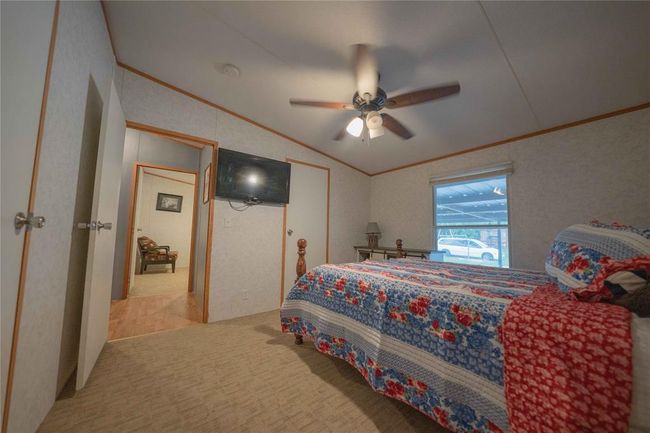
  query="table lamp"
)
[{"x": 373, "y": 233}]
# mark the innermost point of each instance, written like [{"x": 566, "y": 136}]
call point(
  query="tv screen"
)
[{"x": 251, "y": 178}]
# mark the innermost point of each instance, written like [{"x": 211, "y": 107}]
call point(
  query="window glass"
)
[{"x": 471, "y": 221}]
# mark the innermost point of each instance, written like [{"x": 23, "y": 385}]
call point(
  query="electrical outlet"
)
[{"x": 244, "y": 295}]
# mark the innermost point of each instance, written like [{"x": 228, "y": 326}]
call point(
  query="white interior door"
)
[
  {"x": 306, "y": 219},
  {"x": 101, "y": 246},
  {"x": 26, "y": 30}
]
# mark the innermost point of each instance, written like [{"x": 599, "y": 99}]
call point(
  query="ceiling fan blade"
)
[
  {"x": 322, "y": 104},
  {"x": 365, "y": 69},
  {"x": 396, "y": 126},
  {"x": 341, "y": 134},
  {"x": 422, "y": 95}
]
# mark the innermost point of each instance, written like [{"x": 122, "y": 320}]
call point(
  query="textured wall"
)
[
  {"x": 248, "y": 253},
  {"x": 597, "y": 170},
  {"x": 147, "y": 102},
  {"x": 148, "y": 149}
]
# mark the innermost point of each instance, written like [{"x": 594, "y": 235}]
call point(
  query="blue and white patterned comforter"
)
[{"x": 424, "y": 332}]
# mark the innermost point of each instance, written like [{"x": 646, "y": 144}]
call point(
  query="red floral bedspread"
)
[{"x": 568, "y": 364}]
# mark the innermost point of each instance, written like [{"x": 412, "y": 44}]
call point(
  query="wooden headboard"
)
[{"x": 301, "y": 265}]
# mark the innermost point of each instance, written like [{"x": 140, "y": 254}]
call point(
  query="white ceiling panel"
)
[
  {"x": 302, "y": 50},
  {"x": 576, "y": 59},
  {"x": 185, "y": 177}
]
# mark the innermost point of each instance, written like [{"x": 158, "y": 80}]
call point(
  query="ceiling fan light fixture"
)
[
  {"x": 355, "y": 127},
  {"x": 375, "y": 132},
  {"x": 374, "y": 120}
]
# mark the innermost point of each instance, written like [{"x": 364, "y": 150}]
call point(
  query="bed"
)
[{"x": 429, "y": 334}]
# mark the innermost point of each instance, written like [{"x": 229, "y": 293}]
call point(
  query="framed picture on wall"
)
[
  {"x": 206, "y": 183},
  {"x": 169, "y": 202}
]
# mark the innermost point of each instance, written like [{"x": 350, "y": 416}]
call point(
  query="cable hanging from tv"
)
[{"x": 250, "y": 202}]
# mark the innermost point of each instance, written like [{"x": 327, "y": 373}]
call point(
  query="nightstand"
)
[{"x": 364, "y": 252}]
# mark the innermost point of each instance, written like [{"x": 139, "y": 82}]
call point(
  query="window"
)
[{"x": 471, "y": 218}]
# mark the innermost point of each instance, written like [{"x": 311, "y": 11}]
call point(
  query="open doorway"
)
[
  {"x": 161, "y": 275},
  {"x": 164, "y": 210}
]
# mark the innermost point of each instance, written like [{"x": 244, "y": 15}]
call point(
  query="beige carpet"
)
[
  {"x": 160, "y": 282},
  {"x": 241, "y": 375}
]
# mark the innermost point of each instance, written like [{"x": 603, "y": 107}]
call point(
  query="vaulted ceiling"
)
[{"x": 522, "y": 66}]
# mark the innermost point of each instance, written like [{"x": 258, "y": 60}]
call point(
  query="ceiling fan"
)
[{"x": 370, "y": 99}]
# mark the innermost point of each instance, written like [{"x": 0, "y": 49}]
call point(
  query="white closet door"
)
[
  {"x": 307, "y": 218},
  {"x": 26, "y": 30}
]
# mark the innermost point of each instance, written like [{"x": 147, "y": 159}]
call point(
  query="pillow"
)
[{"x": 580, "y": 252}]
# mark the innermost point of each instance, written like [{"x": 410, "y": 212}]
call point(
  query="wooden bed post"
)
[
  {"x": 400, "y": 251},
  {"x": 301, "y": 268}
]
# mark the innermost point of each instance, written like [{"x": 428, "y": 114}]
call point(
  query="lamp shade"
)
[{"x": 373, "y": 227}]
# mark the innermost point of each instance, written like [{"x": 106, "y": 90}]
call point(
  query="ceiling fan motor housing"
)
[{"x": 375, "y": 104}]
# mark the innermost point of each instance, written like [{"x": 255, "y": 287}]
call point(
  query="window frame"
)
[{"x": 462, "y": 178}]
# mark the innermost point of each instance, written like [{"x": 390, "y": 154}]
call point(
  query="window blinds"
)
[{"x": 500, "y": 169}]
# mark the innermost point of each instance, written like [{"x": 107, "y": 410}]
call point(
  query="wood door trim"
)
[
  {"x": 284, "y": 223},
  {"x": 297, "y": 161},
  {"x": 208, "y": 246},
  {"x": 20, "y": 295},
  {"x": 189, "y": 143},
  {"x": 168, "y": 178},
  {"x": 174, "y": 135},
  {"x": 284, "y": 252},
  {"x": 165, "y": 167},
  {"x": 195, "y": 211},
  {"x": 129, "y": 235},
  {"x": 129, "y": 231}
]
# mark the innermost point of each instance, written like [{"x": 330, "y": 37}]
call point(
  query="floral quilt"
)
[{"x": 423, "y": 332}]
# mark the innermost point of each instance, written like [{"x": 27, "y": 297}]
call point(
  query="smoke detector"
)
[{"x": 230, "y": 70}]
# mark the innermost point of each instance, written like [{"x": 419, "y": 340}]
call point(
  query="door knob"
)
[
  {"x": 30, "y": 221},
  {"x": 95, "y": 225},
  {"x": 290, "y": 232},
  {"x": 105, "y": 226}
]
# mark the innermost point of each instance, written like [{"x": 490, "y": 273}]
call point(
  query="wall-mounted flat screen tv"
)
[{"x": 251, "y": 178}]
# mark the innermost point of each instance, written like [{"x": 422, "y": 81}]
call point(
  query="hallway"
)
[
  {"x": 147, "y": 314},
  {"x": 159, "y": 282}
]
